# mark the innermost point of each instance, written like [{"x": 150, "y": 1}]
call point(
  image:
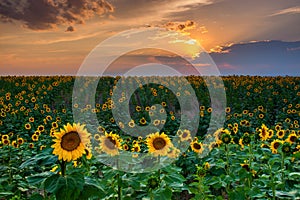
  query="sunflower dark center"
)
[
  {"x": 280, "y": 133},
  {"x": 246, "y": 167},
  {"x": 276, "y": 145},
  {"x": 159, "y": 143},
  {"x": 110, "y": 143},
  {"x": 293, "y": 138},
  {"x": 197, "y": 146},
  {"x": 286, "y": 149},
  {"x": 70, "y": 141},
  {"x": 184, "y": 135}
]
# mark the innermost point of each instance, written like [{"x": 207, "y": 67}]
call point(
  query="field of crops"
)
[{"x": 57, "y": 145}]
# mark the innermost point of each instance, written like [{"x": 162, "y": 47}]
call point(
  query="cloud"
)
[
  {"x": 292, "y": 10},
  {"x": 259, "y": 58},
  {"x": 70, "y": 29},
  {"x": 48, "y": 14},
  {"x": 180, "y": 26}
]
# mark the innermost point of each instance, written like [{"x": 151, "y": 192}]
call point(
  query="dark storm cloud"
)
[
  {"x": 70, "y": 29},
  {"x": 260, "y": 58},
  {"x": 47, "y": 14}
]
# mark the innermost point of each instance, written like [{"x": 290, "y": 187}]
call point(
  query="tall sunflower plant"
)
[{"x": 66, "y": 179}]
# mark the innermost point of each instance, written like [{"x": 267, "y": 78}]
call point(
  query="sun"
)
[{"x": 71, "y": 142}]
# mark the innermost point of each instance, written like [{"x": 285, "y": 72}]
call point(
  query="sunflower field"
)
[{"x": 56, "y": 145}]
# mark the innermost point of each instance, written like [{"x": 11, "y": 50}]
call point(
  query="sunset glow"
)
[{"x": 57, "y": 44}]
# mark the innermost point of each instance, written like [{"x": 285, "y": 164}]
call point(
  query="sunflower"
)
[
  {"x": 20, "y": 141},
  {"x": 31, "y": 119},
  {"x": 131, "y": 124},
  {"x": 226, "y": 138},
  {"x": 156, "y": 122},
  {"x": 27, "y": 126},
  {"x": 31, "y": 145},
  {"x": 97, "y": 137},
  {"x": 263, "y": 132},
  {"x": 184, "y": 135},
  {"x": 246, "y": 166},
  {"x": 209, "y": 110},
  {"x": 125, "y": 147},
  {"x": 110, "y": 143},
  {"x": 275, "y": 145},
  {"x": 206, "y": 165},
  {"x": 196, "y": 146},
  {"x": 41, "y": 128},
  {"x": 292, "y": 138},
  {"x": 35, "y": 137},
  {"x": 48, "y": 118},
  {"x": 227, "y": 110},
  {"x": 54, "y": 125},
  {"x": 143, "y": 121},
  {"x": 71, "y": 142},
  {"x": 277, "y": 127},
  {"x": 42, "y": 147},
  {"x": 280, "y": 133},
  {"x": 246, "y": 139},
  {"x": 136, "y": 148},
  {"x": 15, "y": 144},
  {"x": 270, "y": 133},
  {"x": 261, "y": 116},
  {"x": 88, "y": 153},
  {"x": 241, "y": 143},
  {"x": 5, "y": 137},
  {"x": 286, "y": 148},
  {"x": 158, "y": 144},
  {"x": 174, "y": 153}
]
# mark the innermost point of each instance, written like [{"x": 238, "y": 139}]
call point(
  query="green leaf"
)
[
  {"x": 294, "y": 176},
  {"x": 53, "y": 183},
  {"x": 4, "y": 194},
  {"x": 38, "y": 178},
  {"x": 162, "y": 194},
  {"x": 36, "y": 196},
  {"x": 92, "y": 191}
]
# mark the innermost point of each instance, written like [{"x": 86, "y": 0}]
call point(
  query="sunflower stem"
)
[
  {"x": 9, "y": 165},
  {"x": 250, "y": 163},
  {"x": 282, "y": 170},
  {"x": 227, "y": 159},
  {"x": 273, "y": 184},
  {"x": 158, "y": 172},
  {"x": 63, "y": 165},
  {"x": 151, "y": 195},
  {"x": 119, "y": 179}
]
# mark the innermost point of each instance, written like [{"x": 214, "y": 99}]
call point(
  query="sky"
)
[{"x": 53, "y": 37}]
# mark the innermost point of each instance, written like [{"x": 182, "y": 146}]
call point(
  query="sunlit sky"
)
[{"x": 52, "y": 37}]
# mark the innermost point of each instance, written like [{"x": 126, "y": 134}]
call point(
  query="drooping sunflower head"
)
[
  {"x": 110, "y": 143},
  {"x": 245, "y": 166},
  {"x": 286, "y": 148},
  {"x": 71, "y": 142},
  {"x": 226, "y": 138},
  {"x": 158, "y": 144}
]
